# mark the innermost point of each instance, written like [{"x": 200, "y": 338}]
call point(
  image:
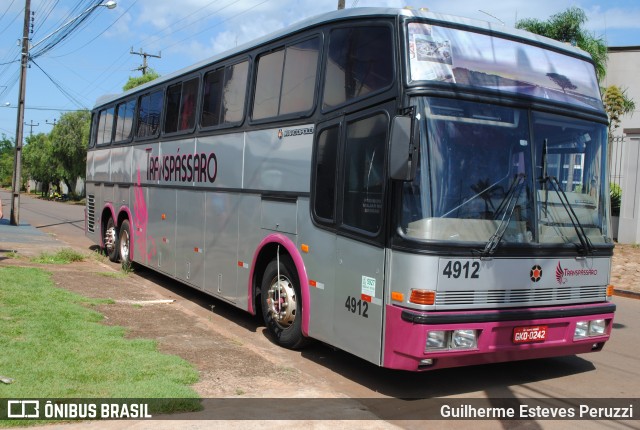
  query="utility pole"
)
[
  {"x": 51, "y": 123},
  {"x": 31, "y": 125},
  {"x": 144, "y": 56},
  {"x": 17, "y": 162}
]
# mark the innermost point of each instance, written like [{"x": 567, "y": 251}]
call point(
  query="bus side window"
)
[
  {"x": 149, "y": 111},
  {"x": 180, "y": 112},
  {"x": 286, "y": 80},
  {"x": 124, "y": 121},
  {"x": 224, "y": 93},
  {"x": 364, "y": 173},
  {"x": 360, "y": 62},
  {"x": 105, "y": 127},
  {"x": 326, "y": 162}
]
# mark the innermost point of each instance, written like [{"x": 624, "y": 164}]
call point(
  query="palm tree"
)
[{"x": 568, "y": 27}]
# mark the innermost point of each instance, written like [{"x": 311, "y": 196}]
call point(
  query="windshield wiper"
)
[
  {"x": 585, "y": 243},
  {"x": 510, "y": 201}
]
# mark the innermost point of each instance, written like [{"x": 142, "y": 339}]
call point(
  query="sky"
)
[{"x": 95, "y": 59}]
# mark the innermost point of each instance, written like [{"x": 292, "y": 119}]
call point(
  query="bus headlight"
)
[
  {"x": 596, "y": 327},
  {"x": 591, "y": 328},
  {"x": 442, "y": 340},
  {"x": 463, "y": 339},
  {"x": 437, "y": 340},
  {"x": 582, "y": 328}
]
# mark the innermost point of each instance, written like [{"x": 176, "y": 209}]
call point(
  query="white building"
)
[{"x": 623, "y": 70}]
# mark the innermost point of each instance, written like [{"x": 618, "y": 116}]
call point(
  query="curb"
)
[{"x": 626, "y": 293}]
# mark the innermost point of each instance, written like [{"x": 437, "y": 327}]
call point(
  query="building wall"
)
[{"x": 623, "y": 70}]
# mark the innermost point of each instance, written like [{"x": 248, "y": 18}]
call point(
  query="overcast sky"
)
[{"x": 96, "y": 58}]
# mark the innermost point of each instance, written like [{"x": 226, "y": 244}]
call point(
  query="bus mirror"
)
[{"x": 403, "y": 153}]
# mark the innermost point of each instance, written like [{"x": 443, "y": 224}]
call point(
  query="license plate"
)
[{"x": 536, "y": 333}]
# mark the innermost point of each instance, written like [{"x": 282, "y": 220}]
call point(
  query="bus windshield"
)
[
  {"x": 492, "y": 174},
  {"x": 467, "y": 59}
]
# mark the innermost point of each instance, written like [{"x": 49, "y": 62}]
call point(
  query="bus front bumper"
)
[{"x": 499, "y": 335}]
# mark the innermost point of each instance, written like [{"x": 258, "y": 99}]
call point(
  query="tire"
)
[
  {"x": 111, "y": 246},
  {"x": 282, "y": 303},
  {"x": 124, "y": 243}
]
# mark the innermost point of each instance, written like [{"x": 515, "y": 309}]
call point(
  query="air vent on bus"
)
[
  {"x": 91, "y": 213},
  {"x": 521, "y": 297}
]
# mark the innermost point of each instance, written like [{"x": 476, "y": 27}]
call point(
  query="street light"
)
[{"x": 24, "y": 61}]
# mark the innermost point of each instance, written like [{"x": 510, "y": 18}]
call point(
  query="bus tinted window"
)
[
  {"x": 105, "y": 127},
  {"x": 224, "y": 94},
  {"x": 180, "y": 113},
  {"x": 265, "y": 103},
  {"x": 325, "y": 173},
  {"x": 286, "y": 80},
  {"x": 360, "y": 62},
  {"x": 299, "y": 81},
  {"x": 149, "y": 114},
  {"x": 364, "y": 173},
  {"x": 124, "y": 121}
]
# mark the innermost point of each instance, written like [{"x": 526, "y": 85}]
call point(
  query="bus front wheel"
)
[
  {"x": 111, "y": 241},
  {"x": 282, "y": 303}
]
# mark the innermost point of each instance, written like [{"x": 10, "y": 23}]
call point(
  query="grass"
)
[
  {"x": 54, "y": 346},
  {"x": 63, "y": 256},
  {"x": 115, "y": 275}
]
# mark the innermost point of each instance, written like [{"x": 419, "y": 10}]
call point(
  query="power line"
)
[{"x": 66, "y": 93}]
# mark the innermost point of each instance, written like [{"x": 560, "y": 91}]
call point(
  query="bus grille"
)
[
  {"x": 521, "y": 297},
  {"x": 91, "y": 213}
]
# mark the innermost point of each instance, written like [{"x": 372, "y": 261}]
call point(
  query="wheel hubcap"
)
[
  {"x": 281, "y": 302},
  {"x": 110, "y": 239},
  {"x": 124, "y": 246}
]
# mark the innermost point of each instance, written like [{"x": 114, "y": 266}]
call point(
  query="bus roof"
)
[{"x": 364, "y": 12}]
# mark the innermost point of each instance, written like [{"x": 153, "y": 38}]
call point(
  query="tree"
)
[
  {"x": 139, "y": 80},
  {"x": 38, "y": 161},
  {"x": 6, "y": 161},
  {"x": 616, "y": 103},
  {"x": 69, "y": 139},
  {"x": 568, "y": 27}
]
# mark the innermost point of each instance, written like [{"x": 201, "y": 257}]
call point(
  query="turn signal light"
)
[
  {"x": 610, "y": 289},
  {"x": 423, "y": 297}
]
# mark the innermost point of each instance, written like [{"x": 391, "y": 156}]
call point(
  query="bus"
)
[{"x": 419, "y": 190}]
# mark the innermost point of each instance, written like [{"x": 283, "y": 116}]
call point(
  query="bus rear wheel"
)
[
  {"x": 111, "y": 241},
  {"x": 124, "y": 242},
  {"x": 282, "y": 303}
]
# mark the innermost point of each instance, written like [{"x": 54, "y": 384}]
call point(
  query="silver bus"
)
[{"x": 419, "y": 190}]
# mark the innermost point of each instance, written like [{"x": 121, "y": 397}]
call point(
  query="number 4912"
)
[
  {"x": 357, "y": 306},
  {"x": 467, "y": 270}
]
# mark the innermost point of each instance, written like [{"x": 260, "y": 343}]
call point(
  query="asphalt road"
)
[{"x": 611, "y": 373}]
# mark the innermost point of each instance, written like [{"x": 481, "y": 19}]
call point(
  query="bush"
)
[{"x": 616, "y": 198}]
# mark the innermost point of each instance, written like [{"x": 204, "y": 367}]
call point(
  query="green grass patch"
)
[
  {"x": 53, "y": 347},
  {"x": 64, "y": 256},
  {"x": 115, "y": 275}
]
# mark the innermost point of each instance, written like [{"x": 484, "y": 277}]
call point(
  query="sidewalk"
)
[{"x": 28, "y": 240}]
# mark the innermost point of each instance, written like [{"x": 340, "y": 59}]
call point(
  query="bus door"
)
[{"x": 360, "y": 250}]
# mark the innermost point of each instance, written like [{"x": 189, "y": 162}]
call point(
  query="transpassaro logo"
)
[
  {"x": 536, "y": 273},
  {"x": 562, "y": 273}
]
